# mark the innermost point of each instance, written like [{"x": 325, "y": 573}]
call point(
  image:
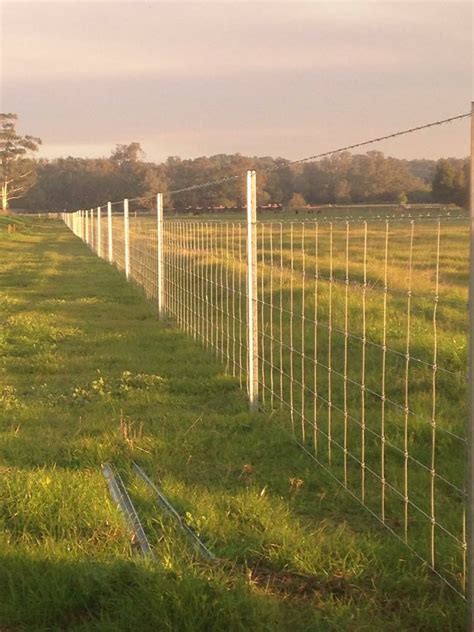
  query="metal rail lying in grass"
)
[
  {"x": 125, "y": 504},
  {"x": 171, "y": 511}
]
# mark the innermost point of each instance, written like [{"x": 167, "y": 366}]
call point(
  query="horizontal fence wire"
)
[
  {"x": 205, "y": 291},
  {"x": 362, "y": 347}
]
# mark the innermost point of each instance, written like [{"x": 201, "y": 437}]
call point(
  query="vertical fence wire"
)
[
  {"x": 361, "y": 347},
  {"x": 358, "y": 361}
]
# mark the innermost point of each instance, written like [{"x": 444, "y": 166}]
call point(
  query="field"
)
[
  {"x": 89, "y": 375},
  {"x": 361, "y": 349}
]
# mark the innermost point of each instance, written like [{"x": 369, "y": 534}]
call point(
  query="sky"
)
[{"x": 199, "y": 78}]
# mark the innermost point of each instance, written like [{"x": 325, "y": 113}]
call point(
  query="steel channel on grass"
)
[
  {"x": 124, "y": 502},
  {"x": 171, "y": 511}
]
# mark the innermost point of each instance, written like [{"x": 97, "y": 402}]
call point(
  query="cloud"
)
[{"x": 264, "y": 78}]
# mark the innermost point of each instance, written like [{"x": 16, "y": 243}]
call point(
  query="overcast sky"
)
[{"x": 260, "y": 78}]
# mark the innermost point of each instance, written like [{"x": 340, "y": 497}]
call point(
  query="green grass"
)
[
  {"x": 11, "y": 220},
  {"x": 89, "y": 375},
  {"x": 343, "y": 426}
]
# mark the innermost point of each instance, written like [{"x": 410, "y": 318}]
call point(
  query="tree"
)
[
  {"x": 127, "y": 153},
  {"x": 297, "y": 202},
  {"x": 402, "y": 198},
  {"x": 17, "y": 170},
  {"x": 451, "y": 181}
]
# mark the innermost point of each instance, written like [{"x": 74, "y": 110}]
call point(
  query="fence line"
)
[
  {"x": 327, "y": 325},
  {"x": 353, "y": 334}
]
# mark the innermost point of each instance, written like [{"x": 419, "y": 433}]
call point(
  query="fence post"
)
[
  {"x": 159, "y": 253},
  {"x": 99, "y": 233},
  {"x": 126, "y": 239},
  {"x": 87, "y": 226},
  {"x": 109, "y": 231},
  {"x": 252, "y": 307},
  {"x": 470, "y": 429},
  {"x": 92, "y": 229}
]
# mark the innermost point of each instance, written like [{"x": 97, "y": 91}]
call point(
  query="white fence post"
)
[
  {"x": 99, "y": 233},
  {"x": 86, "y": 213},
  {"x": 470, "y": 428},
  {"x": 109, "y": 231},
  {"x": 126, "y": 239},
  {"x": 252, "y": 307},
  {"x": 159, "y": 253},
  {"x": 91, "y": 240}
]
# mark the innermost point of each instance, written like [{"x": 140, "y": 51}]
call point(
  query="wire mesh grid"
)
[
  {"x": 362, "y": 346},
  {"x": 143, "y": 255},
  {"x": 204, "y": 286},
  {"x": 362, "y": 343},
  {"x": 102, "y": 233},
  {"x": 359, "y": 342},
  {"x": 118, "y": 240}
]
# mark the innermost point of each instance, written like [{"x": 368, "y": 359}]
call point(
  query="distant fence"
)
[{"x": 352, "y": 332}]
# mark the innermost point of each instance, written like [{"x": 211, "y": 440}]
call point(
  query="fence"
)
[{"x": 352, "y": 332}]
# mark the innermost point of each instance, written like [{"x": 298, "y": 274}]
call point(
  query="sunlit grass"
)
[{"x": 89, "y": 375}]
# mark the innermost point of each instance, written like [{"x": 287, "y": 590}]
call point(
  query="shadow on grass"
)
[
  {"x": 60, "y": 594},
  {"x": 76, "y": 323}
]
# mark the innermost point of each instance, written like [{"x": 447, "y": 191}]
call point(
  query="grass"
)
[
  {"x": 305, "y": 307},
  {"x": 89, "y": 375}
]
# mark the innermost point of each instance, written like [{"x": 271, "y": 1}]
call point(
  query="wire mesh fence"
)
[
  {"x": 362, "y": 344},
  {"x": 205, "y": 286},
  {"x": 361, "y": 347},
  {"x": 351, "y": 331}
]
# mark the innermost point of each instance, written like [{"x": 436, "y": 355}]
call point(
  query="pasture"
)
[
  {"x": 90, "y": 375},
  {"x": 360, "y": 346}
]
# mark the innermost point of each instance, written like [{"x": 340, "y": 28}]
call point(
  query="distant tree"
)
[
  {"x": 342, "y": 191},
  {"x": 297, "y": 201},
  {"x": 132, "y": 152},
  {"x": 17, "y": 170},
  {"x": 402, "y": 198},
  {"x": 280, "y": 183},
  {"x": 71, "y": 183},
  {"x": 451, "y": 181},
  {"x": 421, "y": 168},
  {"x": 342, "y": 178}
]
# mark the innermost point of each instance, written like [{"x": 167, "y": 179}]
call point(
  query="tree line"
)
[
  {"x": 71, "y": 183},
  {"x": 344, "y": 178}
]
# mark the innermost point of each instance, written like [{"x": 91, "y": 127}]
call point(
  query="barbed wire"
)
[
  {"x": 368, "y": 142},
  {"x": 284, "y": 164}
]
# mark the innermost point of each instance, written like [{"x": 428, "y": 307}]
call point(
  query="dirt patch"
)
[{"x": 298, "y": 585}]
